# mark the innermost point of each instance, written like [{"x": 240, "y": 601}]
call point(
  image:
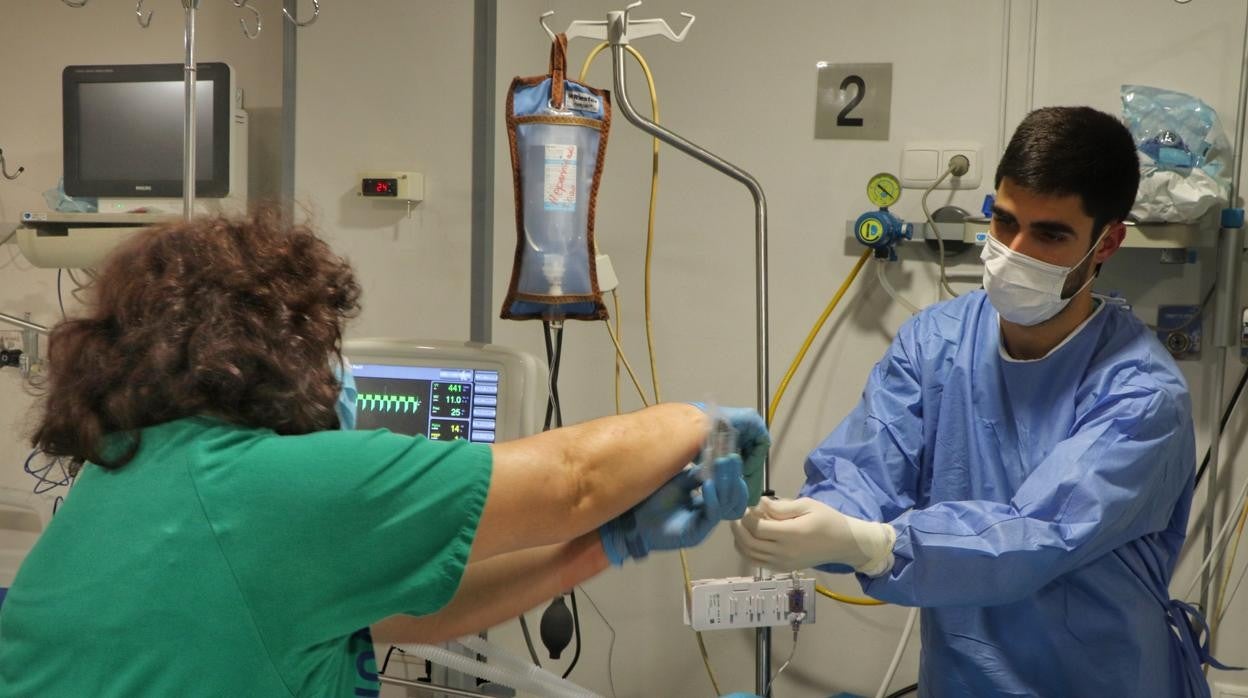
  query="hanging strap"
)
[
  {"x": 558, "y": 68},
  {"x": 1193, "y": 636}
]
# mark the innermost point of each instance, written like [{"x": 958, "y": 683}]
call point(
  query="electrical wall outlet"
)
[
  {"x": 923, "y": 163},
  {"x": 745, "y": 602}
]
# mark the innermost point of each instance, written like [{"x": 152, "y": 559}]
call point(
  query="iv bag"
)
[{"x": 557, "y": 129}]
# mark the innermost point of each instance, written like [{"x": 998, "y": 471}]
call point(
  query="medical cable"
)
[
  {"x": 576, "y": 628},
  {"x": 611, "y": 646},
  {"x": 784, "y": 385},
  {"x": 912, "y": 688},
  {"x": 1226, "y": 577},
  {"x": 1218, "y": 541},
  {"x": 684, "y": 560},
  {"x": 649, "y": 325},
  {"x": 44, "y": 479},
  {"x": 849, "y": 600},
  {"x": 940, "y": 240},
  {"x": 385, "y": 663},
  {"x": 901, "y": 649},
  {"x": 1194, "y": 317},
  {"x": 528, "y": 640},
  {"x": 814, "y": 332},
  {"x": 654, "y": 190},
  {"x": 1226, "y": 417},
  {"x": 615, "y": 301},
  {"x": 888, "y": 287},
  {"x": 647, "y": 284},
  {"x": 793, "y": 650},
  {"x": 796, "y": 615},
  {"x": 60, "y": 299},
  {"x": 554, "y": 358},
  {"x": 619, "y": 353},
  {"x": 79, "y": 287}
]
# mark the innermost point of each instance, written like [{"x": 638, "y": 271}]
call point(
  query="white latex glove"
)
[{"x": 793, "y": 534}]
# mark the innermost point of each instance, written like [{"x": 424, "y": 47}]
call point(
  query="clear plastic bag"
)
[
  {"x": 557, "y": 164},
  {"x": 1185, "y": 157},
  {"x": 58, "y": 200}
]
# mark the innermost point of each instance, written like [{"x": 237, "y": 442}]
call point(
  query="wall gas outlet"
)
[{"x": 1179, "y": 330}]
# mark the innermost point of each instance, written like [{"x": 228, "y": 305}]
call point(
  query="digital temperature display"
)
[{"x": 380, "y": 187}]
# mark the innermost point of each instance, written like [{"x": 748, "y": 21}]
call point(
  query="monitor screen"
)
[
  {"x": 143, "y": 123},
  {"x": 123, "y": 130},
  {"x": 441, "y": 403}
]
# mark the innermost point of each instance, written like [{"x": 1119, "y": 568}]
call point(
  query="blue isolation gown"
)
[{"x": 1039, "y": 505}]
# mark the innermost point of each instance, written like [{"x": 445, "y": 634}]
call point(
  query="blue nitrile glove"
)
[
  {"x": 677, "y": 515},
  {"x": 753, "y": 442},
  {"x": 345, "y": 406}
]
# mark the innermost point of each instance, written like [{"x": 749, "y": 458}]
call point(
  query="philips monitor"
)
[
  {"x": 123, "y": 132},
  {"x": 445, "y": 391}
]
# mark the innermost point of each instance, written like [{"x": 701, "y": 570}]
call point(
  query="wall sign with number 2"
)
[{"x": 852, "y": 101}]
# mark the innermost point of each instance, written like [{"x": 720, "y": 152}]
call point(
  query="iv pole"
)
[{"x": 617, "y": 34}]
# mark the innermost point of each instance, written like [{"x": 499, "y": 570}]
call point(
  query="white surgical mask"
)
[{"x": 1025, "y": 290}]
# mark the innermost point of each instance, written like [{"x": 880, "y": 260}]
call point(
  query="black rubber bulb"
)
[{"x": 556, "y": 627}]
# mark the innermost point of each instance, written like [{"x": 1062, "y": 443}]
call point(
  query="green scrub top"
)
[{"x": 226, "y": 561}]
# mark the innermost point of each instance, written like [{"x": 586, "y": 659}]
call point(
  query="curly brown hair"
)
[{"x": 235, "y": 318}]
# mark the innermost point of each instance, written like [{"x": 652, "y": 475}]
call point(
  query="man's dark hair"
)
[
  {"x": 1059, "y": 151},
  {"x": 234, "y": 318}
]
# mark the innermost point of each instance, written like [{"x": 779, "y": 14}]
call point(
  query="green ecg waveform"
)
[{"x": 376, "y": 402}]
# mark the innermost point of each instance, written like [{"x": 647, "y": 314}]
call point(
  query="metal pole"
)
[
  {"x": 618, "y": 37},
  {"x": 189, "y": 118},
  {"x": 24, "y": 324},
  {"x": 1242, "y": 108},
  {"x": 485, "y": 49},
  {"x": 1226, "y": 326},
  {"x": 290, "y": 76}
]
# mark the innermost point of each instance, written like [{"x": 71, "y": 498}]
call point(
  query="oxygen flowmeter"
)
[{"x": 881, "y": 230}]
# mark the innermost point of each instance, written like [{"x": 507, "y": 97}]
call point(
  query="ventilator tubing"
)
[
  {"x": 523, "y": 667},
  {"x": 491, "y": 672}
]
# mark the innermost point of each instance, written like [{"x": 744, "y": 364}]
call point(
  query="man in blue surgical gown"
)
[{"x": 1021, "y": 463}]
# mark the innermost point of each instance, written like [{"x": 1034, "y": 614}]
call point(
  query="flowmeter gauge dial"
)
[{"x": 883, "y": 190}]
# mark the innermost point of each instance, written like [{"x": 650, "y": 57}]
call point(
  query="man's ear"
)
[{"x": 1111, "y": 242}]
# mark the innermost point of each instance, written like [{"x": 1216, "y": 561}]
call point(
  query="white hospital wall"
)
[
  {"x": 742, "y": 85},
  {"x": 37, "y": 40},
  {"x": 387, "y": 85}
]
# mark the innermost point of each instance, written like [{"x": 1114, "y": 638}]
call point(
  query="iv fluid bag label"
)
[
  {"x": 560, "y": 186},
  {"x": 581, "y": 101}
]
